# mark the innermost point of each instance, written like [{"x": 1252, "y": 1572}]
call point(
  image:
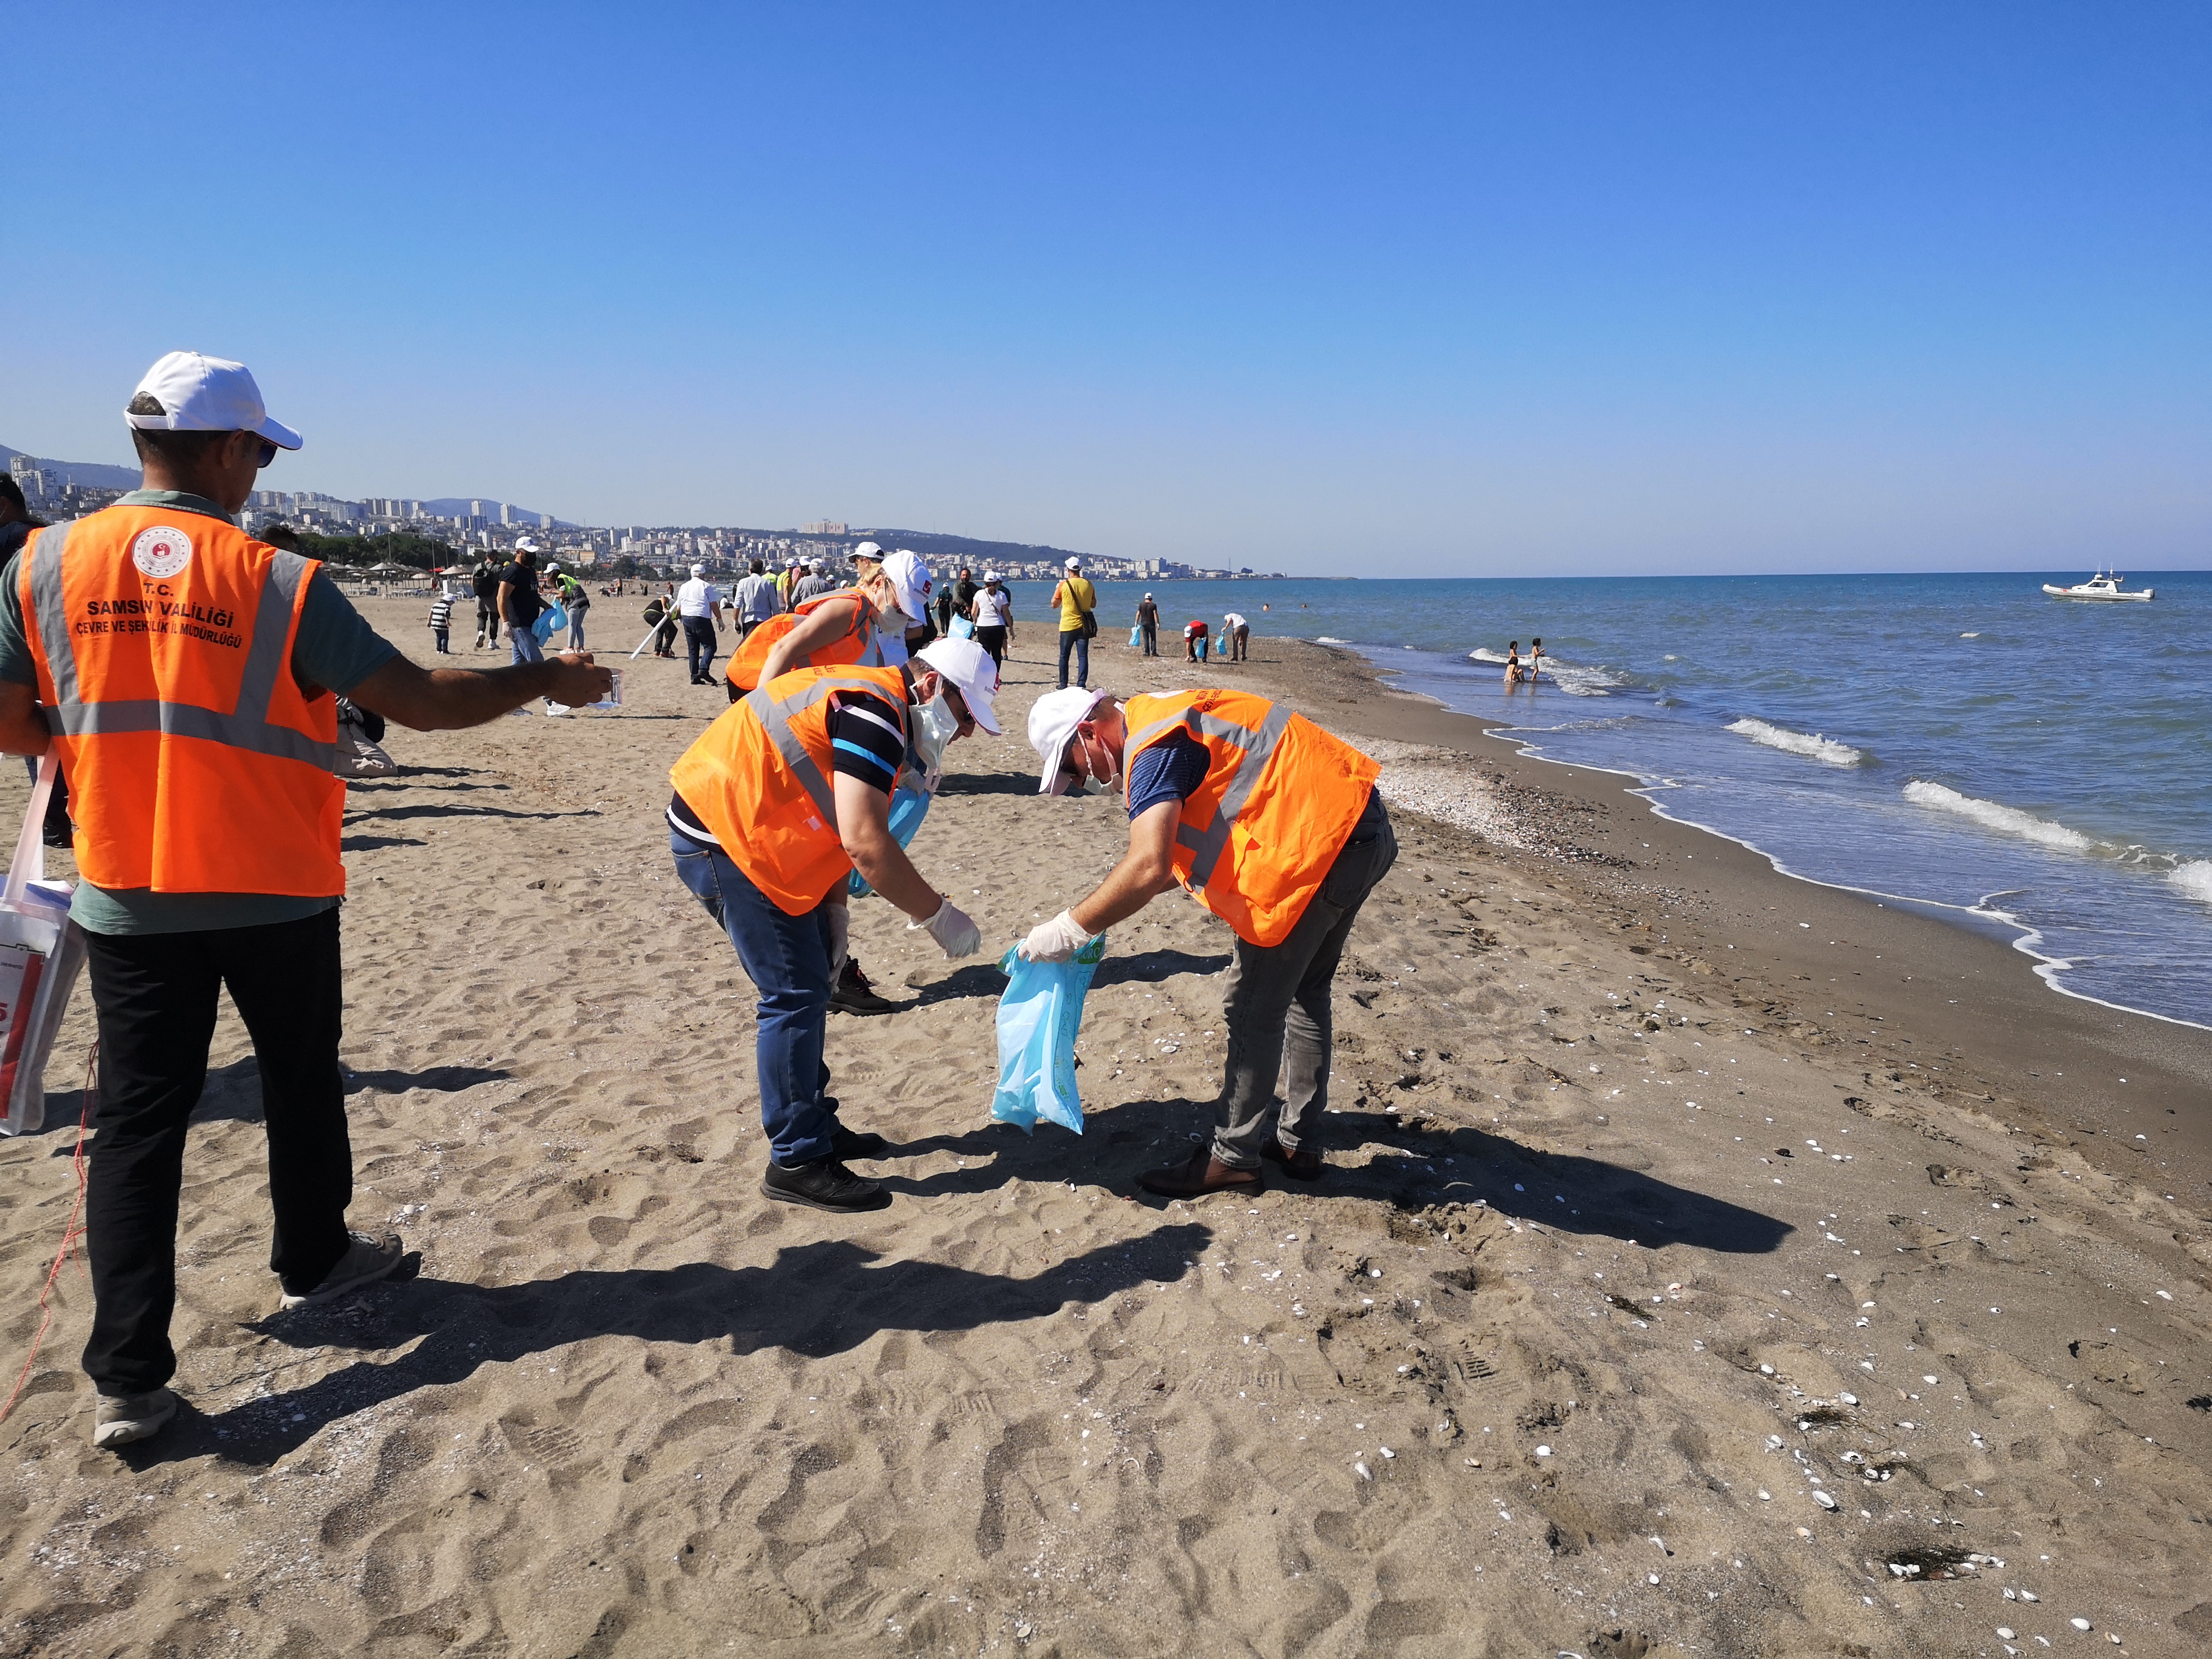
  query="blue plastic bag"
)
[
  {"x": 909, "y": 806},
  {"x": 1137, "y": 636},
  {"x": 551, "y": 621},
  {"x": 963, "y": 628},
  {"x": 1038, "y": 1018}
]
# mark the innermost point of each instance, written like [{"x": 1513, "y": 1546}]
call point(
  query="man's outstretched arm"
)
[{"x": 448, "y": 699}]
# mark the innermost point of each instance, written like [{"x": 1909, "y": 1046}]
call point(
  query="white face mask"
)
[{"x": 933, "y": 725}]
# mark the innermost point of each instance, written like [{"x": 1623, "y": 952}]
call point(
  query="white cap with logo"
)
[
  {"x": 1052, "y": 720},
  {"x": 868, "y": 550},
  {"x": 910, "y": 578},
  {"x": 1075, "y": 563},
  {"x": 968, "y": 667},
  {"x": 190, "y": 392}
]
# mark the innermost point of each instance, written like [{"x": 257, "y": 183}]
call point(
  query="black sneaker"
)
[
  {"x": 853, "y": 994},
  {"x": 846, "y": 1143},
  {"x": 824, "y": 1184}
]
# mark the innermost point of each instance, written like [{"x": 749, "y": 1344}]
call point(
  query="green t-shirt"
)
[{"x": 336, "y": 649}]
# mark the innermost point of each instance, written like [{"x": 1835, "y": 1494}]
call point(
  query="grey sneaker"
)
[
  {"x": 120, "y": 1419},
  {"x": 365, "y": 1261}
]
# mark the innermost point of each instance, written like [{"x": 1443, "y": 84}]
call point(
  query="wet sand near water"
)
[{"x": 1623, "y": 1274}]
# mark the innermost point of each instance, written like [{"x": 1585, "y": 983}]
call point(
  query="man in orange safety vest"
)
[
  {"x": 187, "y": 676},
  {"x": 1275, "y": 826}
]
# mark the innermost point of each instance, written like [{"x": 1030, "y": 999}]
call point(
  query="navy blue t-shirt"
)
[{"x": 1171, "y": 769}]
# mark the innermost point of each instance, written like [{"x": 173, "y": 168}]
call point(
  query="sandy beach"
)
[{"x": 1708, "y": 1262}]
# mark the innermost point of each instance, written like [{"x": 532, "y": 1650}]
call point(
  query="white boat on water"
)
[{"x": 2102, "y": 586}]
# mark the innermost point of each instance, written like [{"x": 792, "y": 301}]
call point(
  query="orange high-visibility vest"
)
[
  {"x": 759, "y": 778},
  {"x": 857, "y": 644},
  {"x": 1280, "y": 800},
  {"x": 195, "y": 762}
]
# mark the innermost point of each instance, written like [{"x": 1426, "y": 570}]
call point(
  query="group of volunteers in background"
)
[{"x": 178, "y": 666}]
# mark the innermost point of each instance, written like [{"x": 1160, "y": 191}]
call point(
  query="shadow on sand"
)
[{"x": 815, "y": 1300}]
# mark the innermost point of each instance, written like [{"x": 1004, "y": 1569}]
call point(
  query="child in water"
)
[
  {"x": 1535, "y": 660},
  {"x": 1513, "y": 663}
]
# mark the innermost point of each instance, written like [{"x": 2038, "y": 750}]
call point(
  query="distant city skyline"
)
[{"x": 1456, "y": 291}]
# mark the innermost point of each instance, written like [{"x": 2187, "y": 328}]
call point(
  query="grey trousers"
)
[{"x": 1277, "y": 1010}]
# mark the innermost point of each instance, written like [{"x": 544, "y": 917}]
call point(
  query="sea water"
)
[{"x": 2039, "y": 765}]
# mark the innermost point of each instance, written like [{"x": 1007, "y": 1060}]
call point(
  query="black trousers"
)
[{"x": 155, "y": 996}]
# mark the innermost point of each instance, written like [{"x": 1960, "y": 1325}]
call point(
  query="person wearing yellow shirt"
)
[{"x": 1078, "y": 602}]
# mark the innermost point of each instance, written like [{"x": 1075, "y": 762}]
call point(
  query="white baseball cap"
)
[
  {"x": 868, "y": 550},
  {"x": 552, "y": 570},
  {"x": 990, "y": 576},
  {"x": 524, "y": 545},
  {"x": 698, "y": 569},
  {"x": 1075, "y": 563},
  {"x": 814, "y": 564},
  {"x": 911, "y": 578},
  {"x": 191, "y": 392},
  {"x": 1052, "y": 720},
  {"x": 973, "y": 674}
]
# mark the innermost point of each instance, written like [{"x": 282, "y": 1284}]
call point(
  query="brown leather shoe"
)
[
  {"x": 1199, "y": 1174},
  {"x": 1304, "y": 1164}
]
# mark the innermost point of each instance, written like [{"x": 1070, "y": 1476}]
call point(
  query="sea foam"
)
[
  {"x": 1827, "y": 750},
  {"x": 2005, "y": 820},
  {"x": 2194, "y": 878}
]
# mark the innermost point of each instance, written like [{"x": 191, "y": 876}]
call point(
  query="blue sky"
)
[{"x": 1461, "y": 291}]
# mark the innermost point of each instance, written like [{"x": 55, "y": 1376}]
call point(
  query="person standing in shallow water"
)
[{"x": 1513, "y": 664}]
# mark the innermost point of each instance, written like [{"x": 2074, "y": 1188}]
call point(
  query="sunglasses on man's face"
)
[{"x": 268, "y": 454}]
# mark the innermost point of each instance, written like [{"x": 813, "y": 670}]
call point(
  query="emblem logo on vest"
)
[{"x": 162, "y": 551}]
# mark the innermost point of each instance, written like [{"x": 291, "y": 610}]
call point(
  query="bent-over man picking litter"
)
[
  {"x": 776, "y": 803},
  {"x": 1275, "y": 826}
]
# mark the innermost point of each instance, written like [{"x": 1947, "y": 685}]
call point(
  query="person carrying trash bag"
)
[
  {"x": 198, "y": 726},
  {"x": 775, "y": 805},
  {"x": 864, "y": 625},
  {"x": 1273, "y": 824}
]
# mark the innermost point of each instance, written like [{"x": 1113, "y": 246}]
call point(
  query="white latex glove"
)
[
  {"x": 955, "y": 935},
  {"x": 1054, "y": 941}
]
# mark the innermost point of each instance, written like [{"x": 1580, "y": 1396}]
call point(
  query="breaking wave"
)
[
  {"x": 1827, "y": 750},
  {"x": 2194, "y": 880},
  {"x": 2005, "y": 820}
]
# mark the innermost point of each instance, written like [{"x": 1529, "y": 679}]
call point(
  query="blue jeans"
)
[
  {"x": 789, "y": 959},
  {"x": 522, "y": 646},
  {"x": 1074, "y": 639},
  {"x": 576, "y": 618}
]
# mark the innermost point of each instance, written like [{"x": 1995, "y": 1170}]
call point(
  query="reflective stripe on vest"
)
[
  {"x": 247, "y": 728},
  {"x": 1256, "y": 838},
  {"x": 1205, "y": 846},
  {"x": 775, "y": 720}
]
